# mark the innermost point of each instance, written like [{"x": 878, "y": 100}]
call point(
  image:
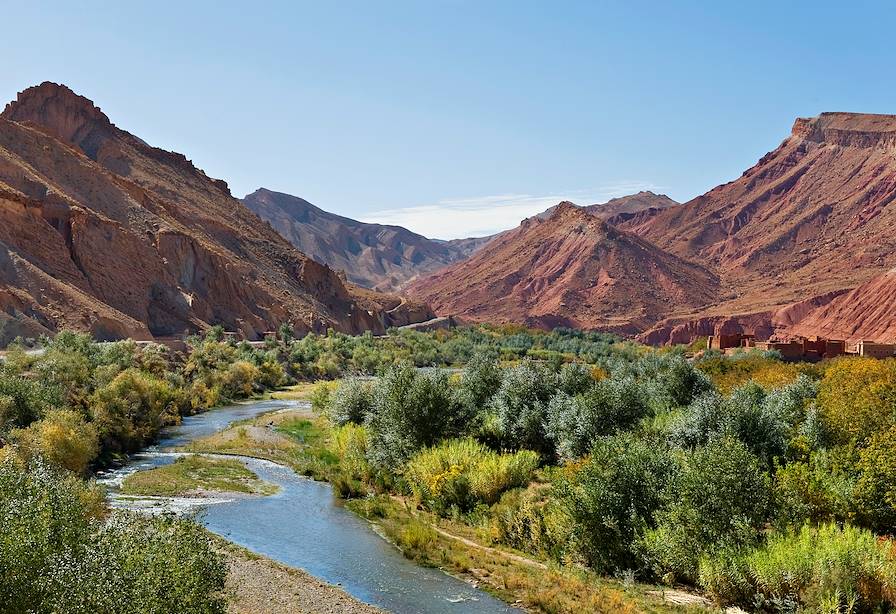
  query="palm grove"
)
[{"x": 766, "y": 484}]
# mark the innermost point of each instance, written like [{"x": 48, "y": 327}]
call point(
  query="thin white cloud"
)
[{"x": 478, "y": 216}]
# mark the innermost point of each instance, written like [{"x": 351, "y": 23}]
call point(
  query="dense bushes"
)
[
  {"x": 82, "y": 403},
  {"x": 335, "y": 354},
  {"x": 857, "y": 397},
  {"x": 875, "y": 488},
  {"x": 608, "y": 406},
  {"x": 24, "y": 400},
  {"x": 662, "y": 475},
  {"x": 481, "y": 379},
  {"x": 131, "y": 409},
  {"x": 349, "y": 444},
  {"x": 819, "y": 489},
  {"x": 351, "y": 401},
  {"x": 571, "y": 445},
  {"x": 520, "y": 406},
  {"x": 58, "y": 555},
  {"x": 720, "y": 498},
  {"x": 63, "y": 438},
  {"x": 764, "y": 368},
  {"x": 462, "y": 473}
]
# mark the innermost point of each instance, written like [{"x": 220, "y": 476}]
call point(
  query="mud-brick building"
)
[{"x": 872, "y": 349}]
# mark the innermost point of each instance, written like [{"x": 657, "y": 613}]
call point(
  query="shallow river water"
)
[{"x": 302, "y": 526}]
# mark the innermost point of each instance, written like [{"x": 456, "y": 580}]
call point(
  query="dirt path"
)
[
  {"x": 257, "y": 585},
  {"x": 508, "y": 555}
]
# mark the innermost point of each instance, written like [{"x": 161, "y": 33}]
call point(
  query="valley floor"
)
[{"x": 296, "y": 438}]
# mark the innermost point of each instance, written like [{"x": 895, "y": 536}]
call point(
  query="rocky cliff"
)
[
  {"x": 867, "y": 312},
  {"x": 100, "y": 231}
]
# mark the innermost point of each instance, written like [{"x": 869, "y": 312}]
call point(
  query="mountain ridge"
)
[{"x": 812, "y": 218}]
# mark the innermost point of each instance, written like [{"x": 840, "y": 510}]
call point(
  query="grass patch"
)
[
  {"x": 298, "y": 392},
  {"x": 193, "y": 473},
  {"x": 304, "y": 431}
]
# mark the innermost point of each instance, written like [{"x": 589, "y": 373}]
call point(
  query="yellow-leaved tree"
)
[{"x": 857, "y": 397}]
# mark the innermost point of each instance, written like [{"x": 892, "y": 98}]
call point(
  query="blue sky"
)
[{"x": 459, "y": 118}]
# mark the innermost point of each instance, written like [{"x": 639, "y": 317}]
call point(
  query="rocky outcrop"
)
[
  {"x": 371, "y": 255},
  {"x": 570, "y": 269},
  {"x": 104, "y": 232},
  {"x": 623, "y": 206}
]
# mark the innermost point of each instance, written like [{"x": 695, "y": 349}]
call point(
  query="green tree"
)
[
  {"x": 351, "y": 401},
  {"x": 62, "y": 438},
  {"x": 58, "y": 555},
  {"x": 875, "y": 490},
  {"x": 412, "y": 410},
  {"x": 521, "y": 407},
  {"x": 481, "y": 379},
  {"x": 608, "y": 406},
  {"x": 612, "y": 498},
  {"x": 721, "y": 498},
  {"x": 857, "y": 397},
  {"x": 131, "y": 409}
]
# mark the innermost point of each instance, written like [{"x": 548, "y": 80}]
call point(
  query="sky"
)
[{"x": 458, "y": 118}]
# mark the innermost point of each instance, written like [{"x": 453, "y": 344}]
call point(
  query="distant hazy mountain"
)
[
  {"x": 372, "y": 255},
  {"x": 633, "y": 203}
]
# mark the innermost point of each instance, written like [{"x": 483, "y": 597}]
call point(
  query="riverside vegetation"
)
[{"x": 765, "y": 484}]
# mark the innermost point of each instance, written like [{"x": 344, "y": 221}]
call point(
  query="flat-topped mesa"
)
[{"x": 864, "y": 130}]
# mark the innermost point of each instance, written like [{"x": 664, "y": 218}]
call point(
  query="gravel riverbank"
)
[{"x": 258, "y": 585}]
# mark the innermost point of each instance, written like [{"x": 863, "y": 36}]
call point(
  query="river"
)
[{"x": 303, "y": 526}]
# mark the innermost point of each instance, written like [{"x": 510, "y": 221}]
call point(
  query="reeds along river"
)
[{"x": 303, "y": 527}]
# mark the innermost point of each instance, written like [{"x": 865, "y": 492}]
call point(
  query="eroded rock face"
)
[
  {"x": 99, "y": 231},
  {"x": 569, "y": 269},
  {"x": 867, "y": 312}
]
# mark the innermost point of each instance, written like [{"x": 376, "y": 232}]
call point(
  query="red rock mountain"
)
[
  {"x": 811, "y": 219},
  {"x": 812, "y": 216},
  {"x": 372, "y": 255},
  {"x": 100, "y": 231},
  {"x": 803, "y": 242},
  {"x": 570, "y": 269},
  {"x": 644, "y": 200}
]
